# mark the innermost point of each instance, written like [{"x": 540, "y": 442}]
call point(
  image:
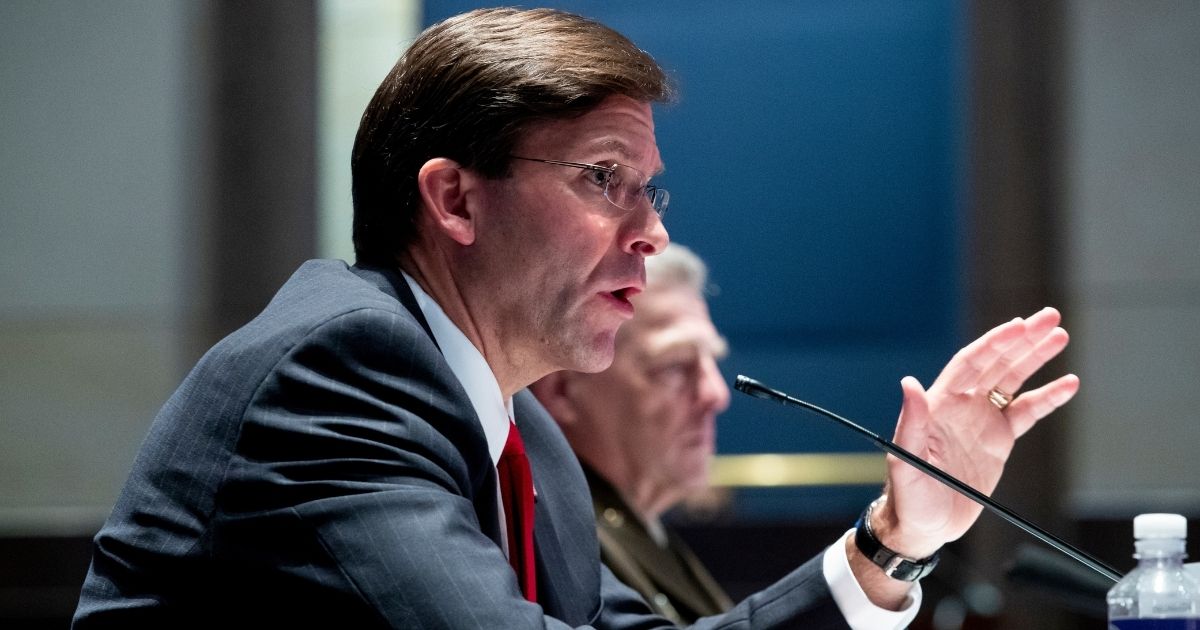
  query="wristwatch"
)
[{"x": 894, "y": 565}]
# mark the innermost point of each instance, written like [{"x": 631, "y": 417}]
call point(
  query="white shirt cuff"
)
[{"x": 858, "y": 610}]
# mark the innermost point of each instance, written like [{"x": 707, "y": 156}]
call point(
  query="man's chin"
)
[
  {"x": 695, "y": 476},
  {"x": 595, "y": 356},
  {"x": 593, "y": 367}
]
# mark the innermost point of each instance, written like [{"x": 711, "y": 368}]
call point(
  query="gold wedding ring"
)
[{"x": 1000, "y": 398}]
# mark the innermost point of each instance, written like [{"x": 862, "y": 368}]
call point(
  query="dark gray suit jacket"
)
[{"x": 322, "y": 467}]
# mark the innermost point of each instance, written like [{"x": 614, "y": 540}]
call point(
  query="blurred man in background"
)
[{"x": 644, "y": 430}]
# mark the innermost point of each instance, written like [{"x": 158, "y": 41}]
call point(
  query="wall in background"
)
[
  {"x": 1133, "y": 255},
  {"x": 98, "y": 134},
  {"x": 358, "y": 43}
]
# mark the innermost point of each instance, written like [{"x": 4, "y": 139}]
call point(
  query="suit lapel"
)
[
  {"x": 392, "y": 283},
  {"x": 564, "y": 534},
  {"x": 672, "y": 574}
]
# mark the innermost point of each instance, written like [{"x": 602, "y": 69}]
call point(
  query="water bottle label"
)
[{"x": 1154, "y": 624}]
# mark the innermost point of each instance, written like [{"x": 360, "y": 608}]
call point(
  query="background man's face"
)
[{"x": 663, "y": 392}]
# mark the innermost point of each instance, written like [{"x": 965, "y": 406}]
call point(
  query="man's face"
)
[
  {"x": 661, "y": 396},
  {"x": 557, "y": 261}
]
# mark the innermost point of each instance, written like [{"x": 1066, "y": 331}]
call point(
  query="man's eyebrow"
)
[
  {"x": 717, "y": 345},
  {"x": 721, "y": 347},
  {"x": 616, "y": 146}
]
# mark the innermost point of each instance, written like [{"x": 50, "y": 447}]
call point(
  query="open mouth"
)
[
  {"x": 625, "y": 293},
  {"x": 621, "y": 298}
]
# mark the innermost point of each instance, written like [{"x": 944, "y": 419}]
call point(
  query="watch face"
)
[
  {"x": 894, "y": 565},
  {"x": 906, "y": 571},
  {"x": 910, "y": 571}
]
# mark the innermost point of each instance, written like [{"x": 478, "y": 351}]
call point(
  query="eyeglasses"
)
[{"x": 623, "y": 186}]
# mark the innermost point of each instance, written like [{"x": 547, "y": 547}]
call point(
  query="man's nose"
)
[
  {"x": 712, "y": 390},
  {"x": 646, "y": 234}
]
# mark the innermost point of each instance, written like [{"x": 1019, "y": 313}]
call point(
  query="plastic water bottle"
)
[{"x": 1159, "y": 594}]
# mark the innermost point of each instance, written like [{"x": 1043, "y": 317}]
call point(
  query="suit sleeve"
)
[{"x": 801, "y": 599}]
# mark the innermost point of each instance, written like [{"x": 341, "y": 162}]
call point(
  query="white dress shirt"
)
[{"x": 496, "y": 412}]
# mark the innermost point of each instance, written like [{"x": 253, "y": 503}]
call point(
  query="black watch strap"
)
[{"x": 894, "y": 565}]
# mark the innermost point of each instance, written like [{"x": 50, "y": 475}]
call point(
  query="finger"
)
[
  {"x": 968, "y": 365},
  {"x": 1044, "y": 320},
  {"x": 913, "y": 425},
  {"x": 1037, "y": 327},
  {"x": 909, "y": 489},
  {"x": 1049, "y": 347},
  {"x": 1033, "y": 405}
]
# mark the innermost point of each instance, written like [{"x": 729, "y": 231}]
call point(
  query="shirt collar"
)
[{"x": 494, "y": 410}]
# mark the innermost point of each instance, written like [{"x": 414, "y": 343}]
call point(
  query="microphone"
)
[{"x": 747, "y": 385}]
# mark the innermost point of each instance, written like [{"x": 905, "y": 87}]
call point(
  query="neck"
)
[
  {"x": 648, "y": 499},
  {"x": 513, "y": 372},
  {"x": 653, "y": 500}
]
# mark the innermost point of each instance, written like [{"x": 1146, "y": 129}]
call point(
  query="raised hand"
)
[{"x": 966, "y": 424}]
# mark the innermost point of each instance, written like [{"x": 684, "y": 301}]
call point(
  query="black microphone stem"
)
[{"x": 754, "y": 388}]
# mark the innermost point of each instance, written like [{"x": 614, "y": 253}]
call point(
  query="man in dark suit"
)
[
  {"x": 363, "y": 454},
  {"x": 645, "y": 431}
]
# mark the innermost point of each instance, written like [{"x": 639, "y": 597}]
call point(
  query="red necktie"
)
[{"x": 516, "y": 490}]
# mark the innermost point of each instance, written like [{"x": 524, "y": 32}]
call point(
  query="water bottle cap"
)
[{"x": 1159, "y": 526}]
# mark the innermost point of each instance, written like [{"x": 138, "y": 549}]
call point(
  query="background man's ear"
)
[
  {"x": 553, "y": 391},
  {"x": 445, "y": 188}
]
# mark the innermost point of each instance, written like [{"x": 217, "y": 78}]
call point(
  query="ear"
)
[
  {"x": 445, "y": 190},
  {"x": 553, "y": 391}
]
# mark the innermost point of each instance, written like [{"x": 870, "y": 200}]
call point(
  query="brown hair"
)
[{"x": 465, "y": 90}]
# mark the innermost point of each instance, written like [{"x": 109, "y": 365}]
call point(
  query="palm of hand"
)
[{"x": 955, "y": 427}]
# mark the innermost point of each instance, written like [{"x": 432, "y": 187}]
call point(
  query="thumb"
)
[{"x": 912, "y": 427}]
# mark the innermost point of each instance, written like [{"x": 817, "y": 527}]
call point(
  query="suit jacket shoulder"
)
[{"x": 325, "y": 435}]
